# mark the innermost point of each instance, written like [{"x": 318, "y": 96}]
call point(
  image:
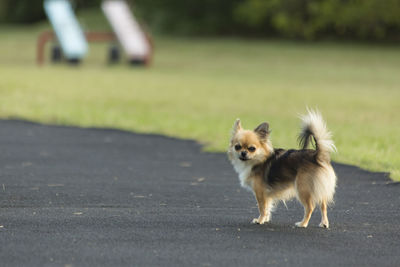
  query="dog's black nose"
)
[{"x": 243, "y": 153}]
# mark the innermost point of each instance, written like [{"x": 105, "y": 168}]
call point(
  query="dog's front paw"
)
[
  {"x": 324, "y": 225},
  {"x": 258, "y": 221},
  {"x": 254, "y": 221},
  {"x": 301, "y": 224}
]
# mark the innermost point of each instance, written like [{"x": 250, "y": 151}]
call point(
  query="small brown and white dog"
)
[{"x": 275, "y": 174}]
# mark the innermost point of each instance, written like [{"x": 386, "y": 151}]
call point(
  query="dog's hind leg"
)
[
  {"x": 324, "y": 215},
  {"x": 308, "y": 210}
]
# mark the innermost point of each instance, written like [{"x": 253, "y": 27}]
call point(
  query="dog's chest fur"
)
[{"x": 244, "y": 171}]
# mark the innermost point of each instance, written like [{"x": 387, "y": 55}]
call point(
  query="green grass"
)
[{"x": 196, "y": 88}]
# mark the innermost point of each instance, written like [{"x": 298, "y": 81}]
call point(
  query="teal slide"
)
[{"x": 67, "y": 29}]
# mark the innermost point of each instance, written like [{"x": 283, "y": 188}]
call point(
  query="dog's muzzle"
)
[{"x": 243, "y": 156}]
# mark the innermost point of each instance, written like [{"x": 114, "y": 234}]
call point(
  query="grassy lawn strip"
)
[{"x": 197, "y": 87}]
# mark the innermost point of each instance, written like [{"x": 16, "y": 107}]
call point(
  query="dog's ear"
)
[
  {"x": 262, "y": 131},
  {"x": 236, "y": 127}
]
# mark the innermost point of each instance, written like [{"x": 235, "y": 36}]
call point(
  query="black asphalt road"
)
[{"x": 95, "y": 197}]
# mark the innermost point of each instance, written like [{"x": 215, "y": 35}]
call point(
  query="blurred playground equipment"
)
[
  {"x": 133, "y": 39},
  {"x": 70, "y": 42},
  {"x": 67, "y": 30}
]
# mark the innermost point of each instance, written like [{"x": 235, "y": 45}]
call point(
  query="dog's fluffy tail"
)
[{"x": 314, "y": 126}]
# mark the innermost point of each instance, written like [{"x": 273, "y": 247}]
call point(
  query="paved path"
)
[{"x": 92, "y": 197}]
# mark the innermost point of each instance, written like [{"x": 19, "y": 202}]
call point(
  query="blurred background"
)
[
  {"x": 216, "y": 60},
  {"x": 296, "y": 19}
]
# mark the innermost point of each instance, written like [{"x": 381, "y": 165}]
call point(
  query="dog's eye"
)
[
  {"x": 238, "y": 147},
  {"x": 252, "y": 149}
]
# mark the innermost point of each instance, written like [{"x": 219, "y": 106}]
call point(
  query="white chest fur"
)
[{"x": 243, "y": 171}]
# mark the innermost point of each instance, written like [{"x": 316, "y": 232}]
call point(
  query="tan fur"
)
[{"x": 313, "y": 185}]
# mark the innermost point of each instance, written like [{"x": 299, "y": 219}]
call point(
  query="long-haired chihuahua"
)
[{"x": 275, "y": 174}]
